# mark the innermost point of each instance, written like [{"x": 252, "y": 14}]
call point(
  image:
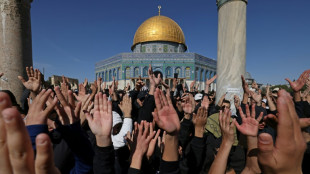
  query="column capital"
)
[{"x": 220, "y": 3}]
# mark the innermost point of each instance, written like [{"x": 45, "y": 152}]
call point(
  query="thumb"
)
[
  {"x": 288, "y": 80},
  {"x": 44, "y": 162},
  {"x": 265, "y": 149}
]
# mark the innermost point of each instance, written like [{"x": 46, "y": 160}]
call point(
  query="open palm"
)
[
  {"x": 101, "y": 121},
  {"x": 300, "y": 82},
  {"x": 165, "y": 115},
  {"x": 249, "y": 126}
]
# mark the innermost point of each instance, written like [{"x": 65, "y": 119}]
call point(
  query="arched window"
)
[
  {"x": 114, "y": 74},
  {"x": 110, "y": 75},
  {"x": 196, "y": 73},
  {"x": 178, "y": 71},
  {"x": 201, "y": 75},
  {"x": 127, "y": 72},
  {"x": 145, "y": 69},
  {"x": 187, "y": 72},
  {"x": 168, "y": 72},
  {"x": 136, "y": 72},
  {"x": 119, "y": 73},
  {"x": 102, "y": 75},
  {"x": 106, "y": 76}
]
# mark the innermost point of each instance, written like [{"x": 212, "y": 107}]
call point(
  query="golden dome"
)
[{"x": 159, "y": 28}]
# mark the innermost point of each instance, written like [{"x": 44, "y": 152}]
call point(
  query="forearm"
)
[
  {"x": 220, "y": 162},
  {"x": 297, "y": 97},
  {"x": 245, "y": 98},
  {"x": 272, "y": 106},
  {"x": 199, "y": 131},
  {"x": 171, "y": 148},
  {"x": 136, "y": 160},
  {"x": 152, "y": 89},
  {"x": 251, "y": 159}
]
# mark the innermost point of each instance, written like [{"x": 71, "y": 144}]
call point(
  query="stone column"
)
[
  {"x": 231, "y": 47},
  {"x": 15, "y": 43}
]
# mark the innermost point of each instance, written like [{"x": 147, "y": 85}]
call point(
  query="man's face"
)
[{"x": 225, "y": 106}]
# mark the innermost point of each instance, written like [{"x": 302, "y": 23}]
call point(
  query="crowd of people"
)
[{"x": 153, "y": 128}]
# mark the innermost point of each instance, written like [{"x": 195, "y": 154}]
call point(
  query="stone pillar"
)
[
  {"x": 15, "y": 43},
  {"x": 231, "y": 48}
]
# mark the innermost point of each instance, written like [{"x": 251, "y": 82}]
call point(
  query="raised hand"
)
[
  {"x": 199, "y": 121},
  {"x": 236, "y": 101},
  {"x": 286, "y": 154},
  {"x": 100, "y": 122},
  {"x": 152, "y": 144},
  {"x": 126, "y": 106},
  {"x": 192, "y": 86},
  {"x": 16, "y": 153},
  {"x": 249, "y": 126},
  {"x": 66, "y": 111},
  {"x": 210, "y": 81},
  {"x": 64, "y": 86},
  {"x": 245, "y": 86},
  {"x": 141, "y": 140},
  {"x": 85, "y": 83},
  {"x": 34, "y": 80},
  {"x": 99, "y": 83},
  {"x": 227, "y": 128},
  {"x": 153, "y": 80},
  {"x": 256, "y": 97},
  {"x": 81, "y": 97},
  {"x": 221, "y": 100},
  {"x": 166, "y": 117},
  {"x": 189, "y": 104},
  {"x": 205, "y": 102},
  {"x": 300, "y": 82},
  {"x": 38, "y": 113}
]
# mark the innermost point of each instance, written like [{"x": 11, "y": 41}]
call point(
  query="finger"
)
[
  {"x": 44, "y": 96},
  {"x": 285, "y": 126},
  {"x": 110, "y": 107},
  {"x": 247, "y": 111},
  {"x": 241, "y": 113},
  {"x": 36, "y": 73},
  {"x": 157, "y": 99},
  {"x": 157, "y": 134},
  {"x": 232, "y": 124},
  {"x": 28, "y": 72},
  {"x": 50, "y": 107},
  {"x": 60, "y": 97},
  {"x": 164, "y": 98},
  {"x": 102, "y": 103},
  {"x": 146, "y": 129},
  {"x": 96, "y": 103},
  {"x": 265, "y": 148},
  {"x": 21, "y": 79},
  {"x": 44, "y": 163},
  {"x": 31, "y": 72},
  {"x": 140, "y": 128},
  {"x": 71, "y": 99},
  {"x": 77, "y": 109},
  {"x": 260, "y": 117},
  {"x": 161, "y": 98},
  {"x": 253, "y": 113},
  {"x": 289, "y": 81},
  {"x": 5, "y": 165},
  {"x": 237, "y": 125},
  {"x": 18, "y": 142}
]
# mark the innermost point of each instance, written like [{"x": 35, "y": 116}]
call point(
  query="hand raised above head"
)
[
  {"x": 286, "y": 154},
  {"x": 38, "y": 113},
  {"x": 16, "y": 152},
  {"x": 165, "y": 115},
  {"x": 34, "y": 80},
  {"x": 100, "y": 122},
  {"x": 300, "y": 82},
  {"x": 126, "y": 106},
  {"x": 227, "y": 128},
  {"x": 249, "y": 126},
  {"x": 245, "y": 86}
]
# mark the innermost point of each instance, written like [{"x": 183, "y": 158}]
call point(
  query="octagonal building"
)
[{"x": 158, "y": 41}]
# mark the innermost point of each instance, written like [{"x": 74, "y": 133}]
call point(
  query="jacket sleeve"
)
[
  {"x": 35, "y": 130},
  {"x": 104, "y": 160},
  {"x": 145, "y": 112},
  {"x": 194, "y": 156},
  {"x": 171, "y": 167},
  {"x": 185, "y": 131},
  {"x": 80, "y": 147}
]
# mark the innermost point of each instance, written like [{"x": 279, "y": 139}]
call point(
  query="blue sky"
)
[{"x": 70, "y": 36}]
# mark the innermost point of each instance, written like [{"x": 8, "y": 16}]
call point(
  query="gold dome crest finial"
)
[{"x": 159, "y": 7}]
